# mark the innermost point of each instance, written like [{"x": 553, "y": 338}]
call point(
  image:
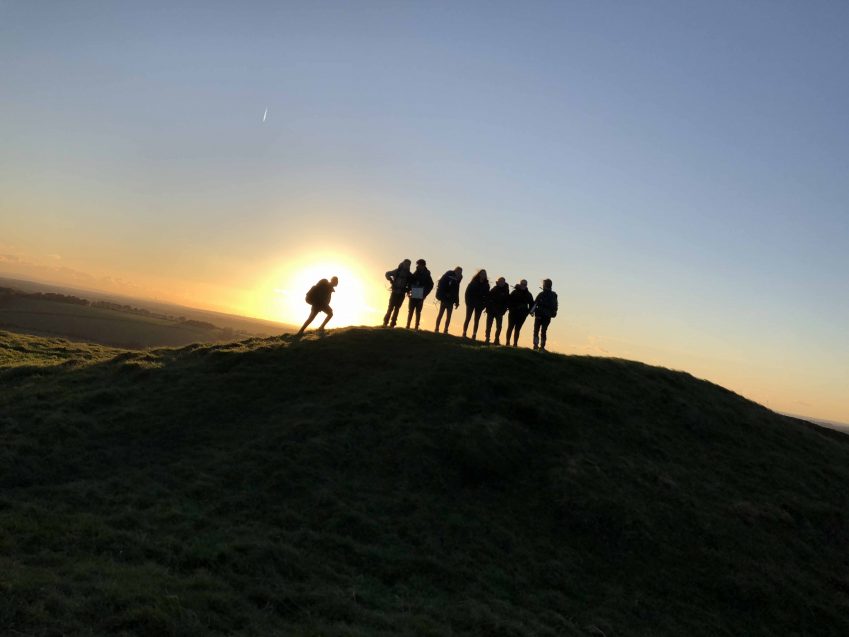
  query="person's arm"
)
[
  {"x": 428, "y": 285},
  {"x": 390, "y": 276}
]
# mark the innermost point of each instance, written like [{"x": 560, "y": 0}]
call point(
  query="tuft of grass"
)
[{"x": 375, "y": 482}]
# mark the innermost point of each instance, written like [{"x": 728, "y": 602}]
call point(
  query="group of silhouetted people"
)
[
  {"x": 416, "y": 285},
  {"x": 496, "y": 301}
]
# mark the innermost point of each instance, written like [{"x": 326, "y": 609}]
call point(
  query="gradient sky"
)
[{"x": 679, "y": 169}]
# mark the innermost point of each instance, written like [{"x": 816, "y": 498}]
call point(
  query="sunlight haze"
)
[{"x": 678, "y": 169}]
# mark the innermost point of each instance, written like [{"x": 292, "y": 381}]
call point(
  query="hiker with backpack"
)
[
  {"x": 518, "y": 307},
  {"x": 399, "y": 278},
  {"x": 476, "y": 295},
  {"x": 421, "y": 283},
  {"x": 319, "y": 298},
  {"x": 496, "y": 306},
  {"x": 448, "y": 295},
  {"x": 543, "y": 310}
]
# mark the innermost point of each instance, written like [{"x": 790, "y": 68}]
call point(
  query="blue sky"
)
[{"x": 678, "y": 168}]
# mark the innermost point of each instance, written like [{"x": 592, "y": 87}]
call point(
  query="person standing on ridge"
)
[
  {"x": 518, "y": 307},
  {"x": 399, "y": 279},
  {"x": 544, "y": 309},
  {"x": 476, "y": 293},
  {"x": 496, "y": 306},
  {"x": 448, "y": 295},
  {"x": 319, "y": 298},
  {"x": 421, "y": 283}
]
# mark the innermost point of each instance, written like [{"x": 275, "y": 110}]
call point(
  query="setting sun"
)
[{"x": 281, "y": 297}]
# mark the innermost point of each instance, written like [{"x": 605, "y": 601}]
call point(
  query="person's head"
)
[
  {"x": 421, "y": 264},
  {"x": 405, "y": 264},
  {"x": 334, "y": 281},
  {"x": 501, "y": 282},
  {"x": 481, "y": 276},
  {"x": 523, "y": 284},
  {"x": 546, "y": 284},
  {"x": 459, "y": 272}
]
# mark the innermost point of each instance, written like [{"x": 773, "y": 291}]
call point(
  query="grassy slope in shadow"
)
[{"x": 384, "y": 482}]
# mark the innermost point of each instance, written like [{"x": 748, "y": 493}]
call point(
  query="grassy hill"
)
[{"x": 392, "y": 483}]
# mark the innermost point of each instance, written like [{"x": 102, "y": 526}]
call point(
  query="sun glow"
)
[{"x": 282, "y": 296}]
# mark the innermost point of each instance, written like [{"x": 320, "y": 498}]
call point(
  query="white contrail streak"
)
[{"x": 265, "y": 114}]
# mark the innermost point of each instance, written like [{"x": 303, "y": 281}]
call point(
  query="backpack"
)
[{"x": 312, "y": 296}]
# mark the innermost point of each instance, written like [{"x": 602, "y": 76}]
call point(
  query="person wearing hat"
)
[
  {"x": 448, "y": 295},
  {"x": 319, "y": 298},
  {"x": 544, "y": 309},
  {"x": 518, "y": 307},
  {"x": 399, "y": 279},
  {"x": 421, "y": 283},
  {"x": 496, "y": 306}
]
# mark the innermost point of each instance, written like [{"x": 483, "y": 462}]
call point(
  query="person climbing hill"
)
[{"x": 318, "y": 297}]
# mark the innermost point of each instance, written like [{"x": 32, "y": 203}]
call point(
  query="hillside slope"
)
[{"x": 392, "y": 483}]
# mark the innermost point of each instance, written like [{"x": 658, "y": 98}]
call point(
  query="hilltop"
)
[{"x": 374, "y": 482}]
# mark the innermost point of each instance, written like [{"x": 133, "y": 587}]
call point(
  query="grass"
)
[{"x": 391, "y": 483}]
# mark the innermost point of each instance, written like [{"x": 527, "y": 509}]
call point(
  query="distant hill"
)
[
  {"x": 42, "y": 309},
  {"x": 377, "y": 482}
]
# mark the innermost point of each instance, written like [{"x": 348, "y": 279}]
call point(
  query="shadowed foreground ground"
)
[{"x": 384, "y": 483}]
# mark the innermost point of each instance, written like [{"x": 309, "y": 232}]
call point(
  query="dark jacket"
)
[
  {"x": 546, "y": 304},
  {"x": 496, "y": 302},
  {"x": 448, "y": 289},
  {"x": 321, "y": 295},
  {"x": 400, "y": 278},
  {"x": 520, "y": 302},
  {"x": 476, "y": 293},
  {"x": 421, "y": 279}
]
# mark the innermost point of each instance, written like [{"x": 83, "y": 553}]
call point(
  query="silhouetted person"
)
[
  {"x": 518, "y": 307},
  {"x": 544, "y": 309},
  {"x": 496, "y": 306},
  {"x": 421, "y": 283},
  {"x": 448, "y": 295},
  {"x": 319, "y": 298},
  {"x": 399, "y": 278},
  {"x": 476, "y": 293}
]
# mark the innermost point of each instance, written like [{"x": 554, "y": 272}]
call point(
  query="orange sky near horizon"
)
[{"x": 275, "y": 292}]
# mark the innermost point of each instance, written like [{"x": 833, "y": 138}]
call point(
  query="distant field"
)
[
  {"x": 104, "y": 326},
  {"x": 238, "y": 325}
]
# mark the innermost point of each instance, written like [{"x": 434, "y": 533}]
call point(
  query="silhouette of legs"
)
[
  {"x": 477, "y": 311},
  {"x": 415, "y": 306},
  {"x": 514, "y": 326},
  {"x": 540, "y": 331},
  {"x": 498, "y": 322},
  {"x": 396, "y": 300},
  {"x": 443, "y": 307},
  {"x": 313, "y": 313},
  {"x": 329, "y": 311}
]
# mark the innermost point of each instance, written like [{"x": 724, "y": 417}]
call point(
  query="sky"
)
[{"x": 680, "y": 170}]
